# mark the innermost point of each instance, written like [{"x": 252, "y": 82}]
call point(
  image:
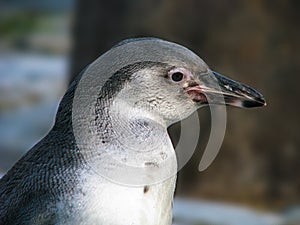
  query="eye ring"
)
[{"x": 179, "y": 75}]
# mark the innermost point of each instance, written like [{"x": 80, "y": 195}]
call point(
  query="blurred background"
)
[{"x": 255, "y": 178}]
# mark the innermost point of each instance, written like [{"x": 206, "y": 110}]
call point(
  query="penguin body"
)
[{"x": 108, "y": 158}]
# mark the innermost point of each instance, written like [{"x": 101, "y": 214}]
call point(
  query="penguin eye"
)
[{"x": 177, "y": 76}]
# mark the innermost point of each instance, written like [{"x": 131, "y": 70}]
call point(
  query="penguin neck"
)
[
  {"x": 136, "y": 127},
  {"x": 133, "y": 141},
  {"x": 123, "y": 112}
]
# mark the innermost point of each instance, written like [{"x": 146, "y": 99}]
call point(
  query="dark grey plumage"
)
[{"x": 42, "y": 175}]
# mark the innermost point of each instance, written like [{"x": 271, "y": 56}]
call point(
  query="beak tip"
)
[
  {"x": 254, "y": 103},
  {"x": 263, "y": 101},
  {"x": 238, "y": 94}
]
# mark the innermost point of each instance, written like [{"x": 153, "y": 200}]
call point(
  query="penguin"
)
[{"x": 108, "y": 160}]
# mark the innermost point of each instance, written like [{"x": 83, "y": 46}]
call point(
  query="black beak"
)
[
  {"x": 222, "y": 90},
  {"x": 238, "y": 94}
]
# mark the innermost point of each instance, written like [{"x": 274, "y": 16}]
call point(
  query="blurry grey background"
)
[{"x": 45, "y": 44}]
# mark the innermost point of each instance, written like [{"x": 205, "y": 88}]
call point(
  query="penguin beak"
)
[{"x": 225, "y": 90}]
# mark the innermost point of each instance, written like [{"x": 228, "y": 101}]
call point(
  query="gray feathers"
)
[
  {"x": 31, "y": 188},
  {"x": 110, "y": 139}
]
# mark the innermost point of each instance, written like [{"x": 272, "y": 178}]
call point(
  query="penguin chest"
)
[{"x": 108, "y": 203}]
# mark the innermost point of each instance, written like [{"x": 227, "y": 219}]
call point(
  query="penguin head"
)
[
  {"x": 121, "y": 100},
  {"x": 170, "y": 82}
]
